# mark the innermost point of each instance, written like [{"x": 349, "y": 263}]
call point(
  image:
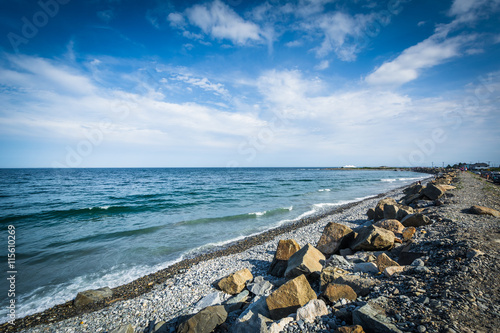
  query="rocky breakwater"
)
[{"x": 426, "y": 262}]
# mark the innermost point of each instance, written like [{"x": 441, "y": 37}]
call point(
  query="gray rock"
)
[
  {"x": 338, "y": 261},
  {"x": 235, "y": 303},
  {"x": 260, "y": 287},
  {"x": 258, "y": 306},
  {"x": 91, "y": 296},
  {"x": 209, "y": 300},
  {"x": 204, "y": 321},
  {"x": 366, "y": 267}
]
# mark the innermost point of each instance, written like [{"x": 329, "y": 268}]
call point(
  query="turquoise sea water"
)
[{"x": 78, "y": 229}]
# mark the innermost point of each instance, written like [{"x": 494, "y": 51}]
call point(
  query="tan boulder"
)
[
  {"x": 372, "y": 238},
  {"x": 235, "y": 283},
  {"x": 335, "y": 292},
  {"x": 383, "y": 261},
  {"x": 286, "y": 248},
  {"x": 447, "y": 187},
  {"x": 289, "y": 297},
  {"x": 308, "y": 260},
  {"x": 392, "y": 225},
  {"x": 480, "y": 210},
  {"x": 332, "y": 237}
]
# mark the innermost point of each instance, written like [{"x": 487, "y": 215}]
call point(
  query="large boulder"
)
[
  {"x": 335, "y": 292},
  {"x": 309, "y": 312},
  {"x": 371, "y": 214},
  {"x": 391, "y": 211},
  {"x": 379, "y": 209},
  {"x": 286, "y": 248},
  {"x": 480, "y": 210},
  {"x": 330, "y": 274},
  {"x": 235, "y": 283},
  {"x": 289, "y": 297},
  {"x": 254, "y": 318},
  {"x": 372, "y": 238},
  {"x": 330, "y": 240},
  {"x": 416, "y": 220},
  {"x": 392, "y": 225},
  {"x": 433, "y": 192},
  {"x": 372, "y": 315},
  {"x": 92, "y": 296},
  {"x": 204, "y": 321},
  {"x": 413, "y": 189},
  {"x": 308, "y": 260}
]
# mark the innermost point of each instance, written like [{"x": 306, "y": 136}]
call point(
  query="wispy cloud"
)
[{"x": 408, "y": 65}]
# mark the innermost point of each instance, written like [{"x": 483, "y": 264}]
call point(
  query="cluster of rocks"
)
[{"x": 331, "y": 286}]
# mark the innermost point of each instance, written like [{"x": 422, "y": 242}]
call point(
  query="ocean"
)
[{"x": 78, "y": 229}]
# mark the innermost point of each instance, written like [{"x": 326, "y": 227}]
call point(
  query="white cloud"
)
[
  {"x": 221, "y": 22},
  {"x": 203, "y": 83},
  {"x": 322, "y": 65},
  {"x": 176, "y": 20},
  {"x": 407, "y": 66}
]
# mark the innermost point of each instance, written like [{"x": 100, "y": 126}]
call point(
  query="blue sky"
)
[{"x": 117, "y": 83}]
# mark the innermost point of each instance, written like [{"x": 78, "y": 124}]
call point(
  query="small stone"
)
[
  {"x": 383, "y": 261},
  {"x": 473, "y": 253},
  {"x": 365, "y": 267},
  {"x": 421, "y": 328},
  {"x": 408, "y": 233}
]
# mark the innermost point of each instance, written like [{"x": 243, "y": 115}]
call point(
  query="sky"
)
[{"x": 235, "y": 83}]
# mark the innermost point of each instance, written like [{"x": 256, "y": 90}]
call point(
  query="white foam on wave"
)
[
  {"x": 324, "y": 190},
  {"x": 258, "y": 213},
  {"x": 43, "y": 298}
]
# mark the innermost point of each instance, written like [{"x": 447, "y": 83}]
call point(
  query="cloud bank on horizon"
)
[{"x": 124, "y": 83}]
